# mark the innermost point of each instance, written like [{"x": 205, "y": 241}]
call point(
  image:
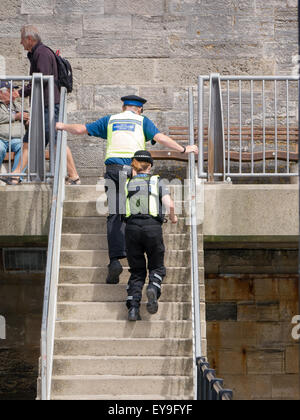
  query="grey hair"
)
[{"x": 30, "y": 30}]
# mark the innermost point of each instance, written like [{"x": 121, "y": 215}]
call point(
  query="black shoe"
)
[
  {"x": 114, "y": 270},
  {"x": 152, "y": 304},
  {"x": 134, "y": 314}
]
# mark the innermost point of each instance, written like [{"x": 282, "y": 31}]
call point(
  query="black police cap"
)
[
  {"x": 133, "y": 100},
  {"x": 143, "y": 156}
]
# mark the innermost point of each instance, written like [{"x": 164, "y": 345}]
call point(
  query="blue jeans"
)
[{"x": 16, "y": 146}]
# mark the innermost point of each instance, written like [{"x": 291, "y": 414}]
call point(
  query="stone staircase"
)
[{"x": 98, "y": 354}]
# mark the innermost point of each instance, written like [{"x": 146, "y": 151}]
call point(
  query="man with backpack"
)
[{"x": 43, "y": 60}]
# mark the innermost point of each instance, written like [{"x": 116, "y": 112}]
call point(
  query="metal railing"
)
[
  {"x": 53, "y": 259},
  {"x": 210, "y": 387},
  {"x": 213, "y": 386},
  {"x": 36, "y": 167},
  {"x": 247, "y": 126}
]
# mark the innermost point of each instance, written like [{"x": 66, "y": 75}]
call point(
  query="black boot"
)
[
  {"x": 134, "y": 314},
  {"x": 152, "y": 304},
  {"x": 114, "y": 270}
]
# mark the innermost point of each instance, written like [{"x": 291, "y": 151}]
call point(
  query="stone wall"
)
[
  {"x": 152, "y": 48},
  {"x": 21, "y": 302},
  {"x": 250, "y": 305}
]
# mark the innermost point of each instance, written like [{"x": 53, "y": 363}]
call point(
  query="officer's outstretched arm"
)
[
  {"x": 78, "y": 129},
  {"x": 169, "y": 206},
  {"x": 171, "y": 144}
]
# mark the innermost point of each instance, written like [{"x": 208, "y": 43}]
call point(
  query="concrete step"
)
[
  {"x": 99, "y": 242},
  {"x": 130, "y": 365},
  {"x": 84, "y": 192},
  {"x": 95, "y": 208},
  {"x": 93, "y": 311},
  {"x": 122, "y": 347},
  {"x": 122, "y": 397},
  {"x": 95, "y": 192},
  {"x": 97, "y": 225},
  {"x": 121, "y": 385},
  {"x": 97, "y": 275},
  {"x": 123, "y": 329},
  {"x": 117, "y": 293},
  {"x": 100, "y": 258}
]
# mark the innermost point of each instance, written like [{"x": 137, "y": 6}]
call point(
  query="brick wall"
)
[{"x": 152, "y": 48}]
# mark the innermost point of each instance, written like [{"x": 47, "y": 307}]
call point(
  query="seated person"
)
[{"x": 16, "y": 127}]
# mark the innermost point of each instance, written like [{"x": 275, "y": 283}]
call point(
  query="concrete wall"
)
[{"x": 152, "y": 48}]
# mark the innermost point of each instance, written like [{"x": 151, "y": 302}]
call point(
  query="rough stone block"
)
[
  {"x": 57, "y": 26},
  {"x": 227, "y": 361},
  {"x": 265, "y": 362},
  {"x": 108, "y": 98},
  {"x": 158, "y": 97},
  {"x": 93, "y": 24},
  {"x": 221, "y": 311},
  {"x": 94, "y": 7},
  {"x": 132, "y": 72},
  {"x": 37, "y": 7},
  {"x": 125, "y": 47},
  {"x": 231, "y": 334},
  {"x": 249, "y": 387},
  {"x": 191, "y": 8},
  {"x": 11, "y": 9},
  {"x": 134, "y": 7},
  {"x": 285, "y": 387},
  {"x": 292, "y": 359}
]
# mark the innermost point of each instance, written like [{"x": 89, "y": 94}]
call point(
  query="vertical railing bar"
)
[
  {"x": 240, "y": 104},
  {"x": 228, "y": 125},
  {"x": 252, "y": 127},
  {"x": 200, "y": 127},
  {"x": 10, "y": 128},
  {"x": 29, "y": 131},
  {"x": 51, "y": 106},
  {"x": 287, "y": 129},
  {"x": 264, "y": 126},
  {"x": 276, "y": 127},
  {"x": 22, "y": 126}
]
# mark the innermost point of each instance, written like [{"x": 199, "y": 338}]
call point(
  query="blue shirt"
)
[{"x": 99, "y": 129}]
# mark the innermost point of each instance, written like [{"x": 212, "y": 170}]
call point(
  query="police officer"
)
[
  {"x": 146, "y": 199},
  {"x": 126, "y": 133}
]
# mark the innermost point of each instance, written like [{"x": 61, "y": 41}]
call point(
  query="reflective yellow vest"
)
[
  {"x": 142, "y": 197},
  {"x": 125, "y": 135}
]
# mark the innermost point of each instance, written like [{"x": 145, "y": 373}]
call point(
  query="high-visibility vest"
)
[
  {"x": 125, "y": 135},
  {"x": 142, "y": 197}
]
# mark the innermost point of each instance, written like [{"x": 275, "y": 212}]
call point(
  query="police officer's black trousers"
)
[
  {"x": 115, "y": 180},
  {"x": 144, "y": 236}
]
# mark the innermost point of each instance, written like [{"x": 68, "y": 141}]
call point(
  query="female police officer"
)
[{"x": 146, "y": 199}]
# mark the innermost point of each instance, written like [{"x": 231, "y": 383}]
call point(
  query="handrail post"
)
[
  {"x": 36, "y": 154},
  {"x": 51, "y": 124},
  {"x": 216, "y": 138},
  {"x": 200, "y": 125}
]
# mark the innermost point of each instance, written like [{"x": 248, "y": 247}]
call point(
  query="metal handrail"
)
[
  {"x": 53, "y": 259},
  {"x": 197, "y": 347},
  {"x": 216, "y": 120},
  {"x": 36, "y": 150},
  {"x": 210, "y": 387},
  {"x": 206, "y": 385}
]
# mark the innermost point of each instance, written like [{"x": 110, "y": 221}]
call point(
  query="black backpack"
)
[{"x": 65, "y": 72}]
